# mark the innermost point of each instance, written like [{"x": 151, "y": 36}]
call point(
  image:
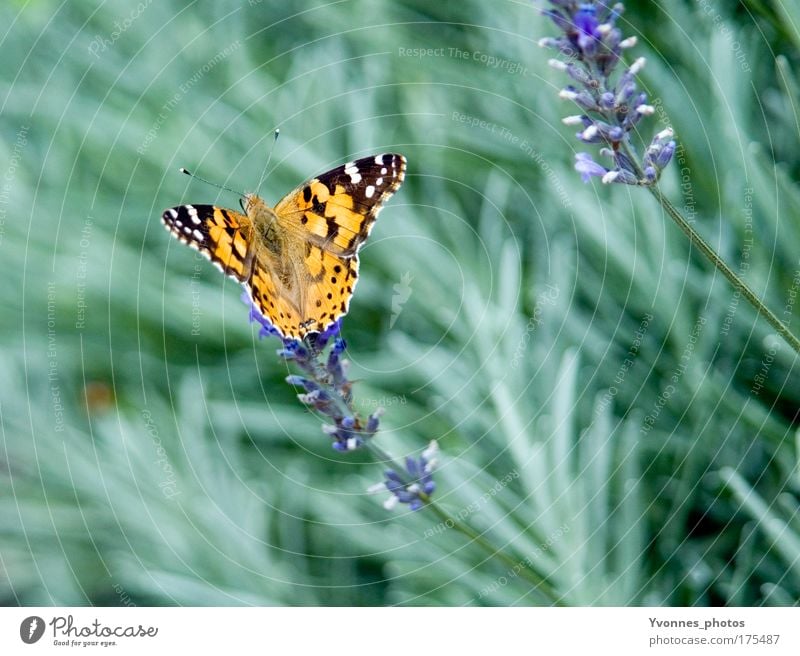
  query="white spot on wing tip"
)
[
  {"x": 352, "y": 170},
  {"x": 198, "y": 235},
  {"x": 369, "y": 191},
  {"x": 379, "y": 159},
  {"x": 173, "y": 213}
]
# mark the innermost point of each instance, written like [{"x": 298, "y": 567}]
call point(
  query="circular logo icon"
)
[{"x": 31, "y": 629}]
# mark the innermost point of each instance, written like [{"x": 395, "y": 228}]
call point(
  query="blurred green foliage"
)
[{"x": 557, "y": 336}]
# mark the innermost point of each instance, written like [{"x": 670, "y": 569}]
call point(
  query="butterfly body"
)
[{"x": 298, "y": 260}]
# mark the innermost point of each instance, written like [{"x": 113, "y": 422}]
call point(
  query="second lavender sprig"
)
[{"x": 612, "y": 109}]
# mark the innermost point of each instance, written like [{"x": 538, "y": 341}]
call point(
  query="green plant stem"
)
[
  {"x": 539, "y": 582},
  {"x": 739, "y": 284},
  {"x": 520, "y": 567},
  {"x": 706, "y": 249}
]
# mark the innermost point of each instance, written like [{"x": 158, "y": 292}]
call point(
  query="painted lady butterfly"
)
[{"x": 298, "y": 260}]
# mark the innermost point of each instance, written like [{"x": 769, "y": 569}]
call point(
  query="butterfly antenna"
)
[
  {"x": 269, "y": 157},
  {"x": 213, "y": 184}
]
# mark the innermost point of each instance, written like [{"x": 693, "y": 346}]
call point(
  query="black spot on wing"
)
[{"x": 333, "y": 228}]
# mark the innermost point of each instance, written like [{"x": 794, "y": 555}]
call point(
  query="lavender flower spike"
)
[
  {"x": 328, "y": 390},
  {"x": 612, "y": 104},
  {"x": 324, "y": 381}
]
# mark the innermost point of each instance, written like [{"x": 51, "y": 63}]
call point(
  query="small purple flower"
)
[
  {"x": 255, "y": 315},
  {"x": 587, "y": 167},
  {"x": 320, "y": 340},
  {"x": 585, "y": 21}
]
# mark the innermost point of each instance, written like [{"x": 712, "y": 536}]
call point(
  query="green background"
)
[{"x": 606, "y": 407}]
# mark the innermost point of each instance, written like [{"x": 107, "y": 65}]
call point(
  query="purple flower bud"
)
[
  {"x": 623, "y": 162},
  {"x": 393, "y": 477},
  {"x": 580, "y": 75},
  {"x": 550, "y": 42},
  {"x": 312, "y": 398},
  {"x": 585, "y": 101},
  {"x": 373, "y": 422},
  {"x": 625, "y": 93},
  {"x": 664, "y": 157},
  {"x": 590, "y": 135},
  {"x": 612, "y": 40},
  {"x": 335, "y": 368},
  {"x": 609, "y": 133},
  {"x": 620, "y": 176}
]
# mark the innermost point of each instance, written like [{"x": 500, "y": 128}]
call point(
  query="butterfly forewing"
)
[
  {"x": 222, "y": 235},
  {"x": 336, "y": 210}
]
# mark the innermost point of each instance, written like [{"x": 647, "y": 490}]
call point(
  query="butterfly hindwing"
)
[
  {"x": 281, "y": 310},
  {"x": 222, "y": 235},
  {"x": 336, "y": 210},
  {"x": 307, "y": 302},
  {"x": 331, "y": 280}
]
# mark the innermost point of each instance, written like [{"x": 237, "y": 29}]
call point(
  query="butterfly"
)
[{"x": 299, "y": 259}]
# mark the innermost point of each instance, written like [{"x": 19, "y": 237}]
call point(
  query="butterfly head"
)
[{"x": 253, "y": 205}]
